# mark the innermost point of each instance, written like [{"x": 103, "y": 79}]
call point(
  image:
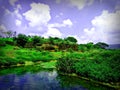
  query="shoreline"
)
[
  {"x": 94, "y": 81},
  {"x": 42, "y": 64}
]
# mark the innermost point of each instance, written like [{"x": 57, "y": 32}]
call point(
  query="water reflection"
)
[{"x": 35, "y": 78}]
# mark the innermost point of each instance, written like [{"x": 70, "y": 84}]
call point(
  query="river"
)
[{"x": 36, "y": 78}]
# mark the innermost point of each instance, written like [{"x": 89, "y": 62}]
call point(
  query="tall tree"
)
[
  {"x": 101, "y": 45},
  {"x": 71, "y": 39},
  {"x": 21, "y": 39},
  {"x": 36, "y": 39}
]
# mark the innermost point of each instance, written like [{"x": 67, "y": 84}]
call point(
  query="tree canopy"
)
[
  {"x": 71, "y": 39},
  {"x": 21, "y": 39}
]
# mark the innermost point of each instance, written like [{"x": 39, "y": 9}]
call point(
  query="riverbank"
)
[
  {"x": 99, "y": 65},
  {"x": 48, "y": 66},
  {"x": 112, "y": 85},
  {"x": 35, "y": 76}
]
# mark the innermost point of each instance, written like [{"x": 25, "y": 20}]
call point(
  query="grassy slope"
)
[{"x": 12, "y": 55}]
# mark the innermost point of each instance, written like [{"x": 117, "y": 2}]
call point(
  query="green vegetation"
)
[
  {"x": 100, "y": 65},
  {"x": 13, "y": 55},
  {"x": 89, "y": 60},
  {"x": 19, "y": 49}
]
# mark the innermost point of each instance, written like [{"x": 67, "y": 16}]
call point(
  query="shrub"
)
[
  {"x": 21, "y": 40},
  {"x": 6, "y": 61},
  {"x": 65, "y": 64},
  {"x": 2, "y": 42},
  {"x": 102, "y": 66},
  {"x": 10, "y": 42},
  {"x": 29, "y": 45}
]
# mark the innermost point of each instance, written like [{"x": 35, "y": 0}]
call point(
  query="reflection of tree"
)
[{"x": 78, "y": 83}]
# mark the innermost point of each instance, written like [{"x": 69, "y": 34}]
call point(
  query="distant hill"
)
[{"x": 114, "y": 46}]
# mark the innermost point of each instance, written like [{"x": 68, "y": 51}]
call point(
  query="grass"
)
[
  {"x": 51, "y": 64},
  {"x": 13, "y": 55}
]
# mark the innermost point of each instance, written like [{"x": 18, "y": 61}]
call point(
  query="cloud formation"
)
[
  {"x": 52, "y": 32},
  {"x": 80, "y": 4},
  {"x": 15, "y": 13},
  {"x": 12, "y": 2},
  {"x": 3, "y": 29},
  {"x": 39, "y": 14},
  {"x": 65, "y": 23},
  {"x": 18, "y": 22},
  {"x": 105, "y": 28}
]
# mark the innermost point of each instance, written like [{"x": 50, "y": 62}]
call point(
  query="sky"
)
[{"x": 86, "y": 20}]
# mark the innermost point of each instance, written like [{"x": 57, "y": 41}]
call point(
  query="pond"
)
[{"x": 36, "y": 78}]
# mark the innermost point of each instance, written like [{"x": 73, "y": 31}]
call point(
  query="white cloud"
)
[
  {"x": 52, "y": 32},
  {"x": 89, "y": 32},
  {"x": 34, "y": 34},
  {"x": 58, "y": 16},
  {"x": 7, "y": 11},
  {"x": 65, "y": 23},
  {"x": 19, "y": 6},
  {"x": 15, "y": 13},
  {"x": 107, "y": 21},
  {"x": 39, "y": 14},
  {"x": 18, "y": 22},
  {"x": 80, "y": 4},
  {"x": 58, "y": 1},
  {"x": 3, "y": 29},
  {"x": 106, "y": 28},
  {"x": 12, "y": 2}
]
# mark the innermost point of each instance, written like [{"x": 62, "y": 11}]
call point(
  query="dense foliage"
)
[
  {"x": 101, "y": 65},
  {"x": 21, "y": 40}
]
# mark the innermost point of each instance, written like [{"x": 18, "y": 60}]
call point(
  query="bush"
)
[
  {"x": 21, "y": 40},
  {"x": 2, "y": 42},
  {"x": 101, "y": 66},
  {"x": 10, "y": 42},
  {"x": 65, "y": 64},
  {"x": 29, "y": 45},
  {"x": 6, "y": 61},
  {"x": 37, "y": 40}
]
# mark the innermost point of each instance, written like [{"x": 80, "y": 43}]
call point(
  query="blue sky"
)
[{"x": 86, "y": 20}]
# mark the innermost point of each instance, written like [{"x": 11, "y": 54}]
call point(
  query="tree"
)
[
  {"x": 71, "y": 39},
  {"x": 90, "y": 45},
  {"x": 51, "y": 40},
  {"x": 36, "y": 39},
  {"x": 9, "y": 33},
  {"x": 101, "y": 45},
  {"x": 21, "y": 39}
]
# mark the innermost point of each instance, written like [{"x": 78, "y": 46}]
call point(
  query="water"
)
[{"x": 35, "y": 78}]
